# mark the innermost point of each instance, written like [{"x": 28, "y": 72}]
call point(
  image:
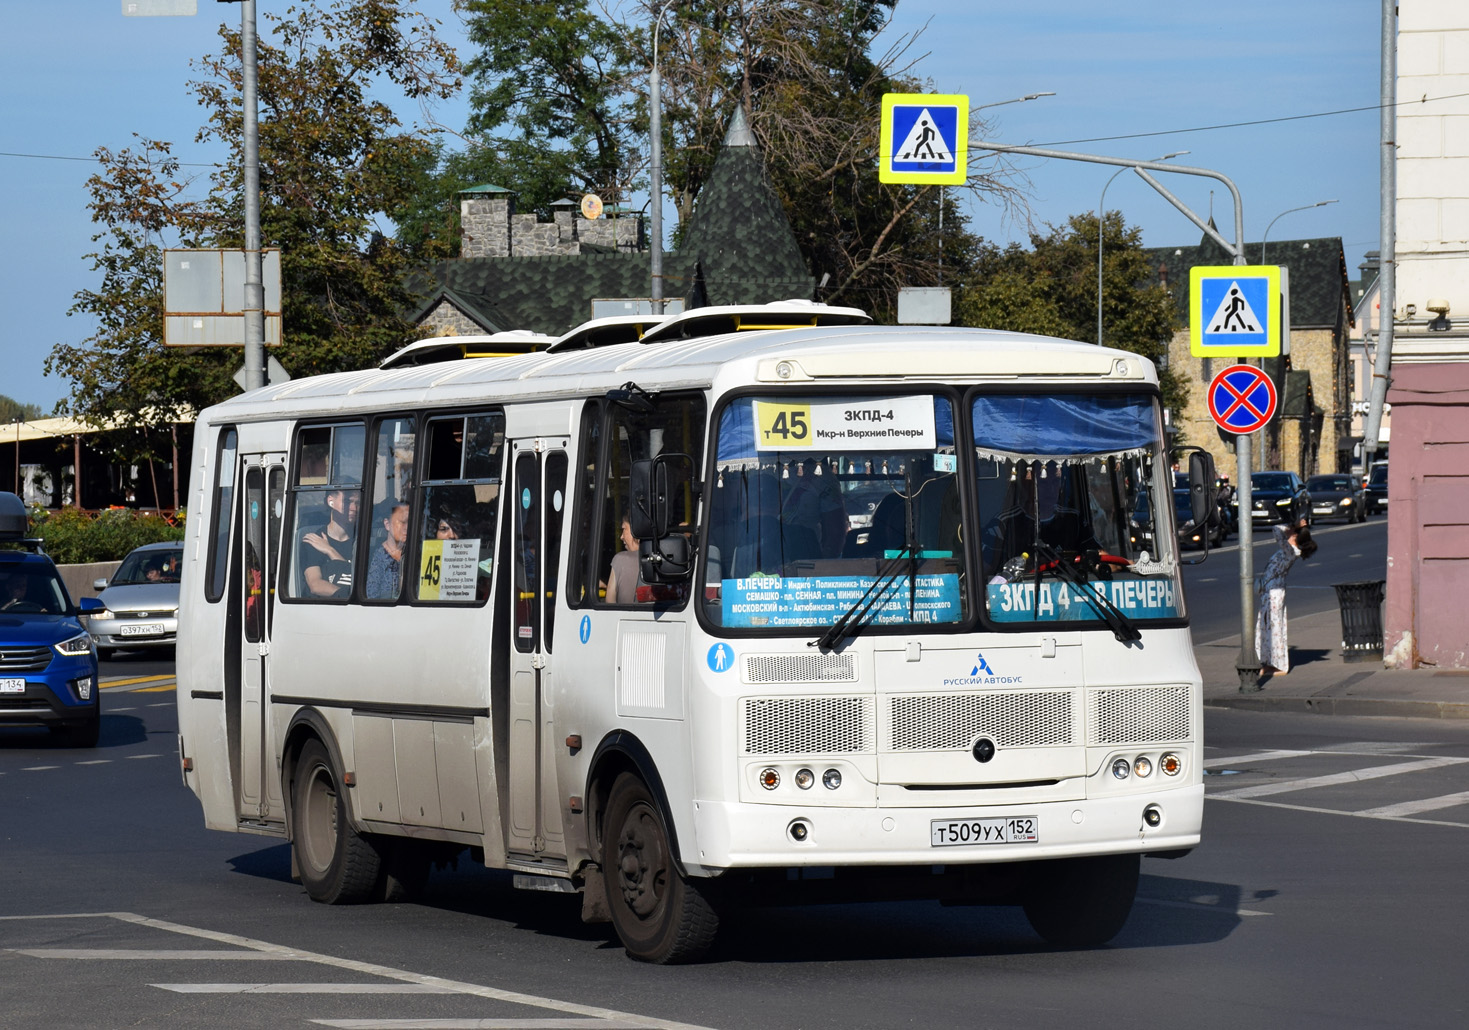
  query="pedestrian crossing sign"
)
[
  {"x": 924, "y": 139},
  {"x": 1234, "y": 311}
]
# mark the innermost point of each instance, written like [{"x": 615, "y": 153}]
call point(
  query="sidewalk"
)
[{"x": 1321, "y": 681}]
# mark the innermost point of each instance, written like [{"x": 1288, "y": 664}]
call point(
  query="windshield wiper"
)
[
  {"x": 852, "y": 618},
  {"x": 1120, "y": 625}
]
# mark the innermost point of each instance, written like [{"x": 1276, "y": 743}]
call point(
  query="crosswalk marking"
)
[
  {"x": 1258, "y": 756},
  {"x": 1376, "y": 772},
  {"x": 251, "y": 948},
  {"x": 1414, "y": 807},
  {"x": 481, "y": 1024},
  {"x": 302, "y": 988}
]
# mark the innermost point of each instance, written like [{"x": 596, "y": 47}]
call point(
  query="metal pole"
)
[
  {"x": 1101, "y": 220},
  {"x": 19, "y": 421},
  {"x": 254, "y": 285},
  {"x": 1387, "y": 273},
  {"x": 655, "y": 126},
  {"x": 1304, "y": 207}
]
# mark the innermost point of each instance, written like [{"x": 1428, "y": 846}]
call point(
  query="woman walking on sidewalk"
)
[{"x": 1270, "y": 635}]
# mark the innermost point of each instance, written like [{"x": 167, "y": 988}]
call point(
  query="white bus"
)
[{"x": 905, "y": 619}]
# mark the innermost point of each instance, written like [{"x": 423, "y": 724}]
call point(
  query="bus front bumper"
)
[{"x": 734, "y": 835}]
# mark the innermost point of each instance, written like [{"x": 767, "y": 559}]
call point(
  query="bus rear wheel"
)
[
  {"x": 338, "y": 865},
  {"x": 660, "y": 915},
  {"x": 1081, "y": 902}
]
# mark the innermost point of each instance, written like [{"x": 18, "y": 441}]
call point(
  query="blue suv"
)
[{"x": 48, "y": 666}]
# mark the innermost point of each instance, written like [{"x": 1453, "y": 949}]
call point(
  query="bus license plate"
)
[
  {"x": 12, "y": 686},
  {"x": 1014, "y": 829},
  {"x": 147, "y": 629}
]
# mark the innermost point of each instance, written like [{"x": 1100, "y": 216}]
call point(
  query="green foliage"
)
[
  {"x": 333, "y": 160},
  {"x": 74, "y": 537},
  {"x": 1051, "y": 289},
  {"x": 10, "y": 410}
]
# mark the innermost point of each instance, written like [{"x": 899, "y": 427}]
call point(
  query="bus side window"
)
[
  {"x": 460, "y": 507},
  {"x": 387, "y": 526},
  {"x": 588, "y": 577},
  {"x": 326, "y": 502}
]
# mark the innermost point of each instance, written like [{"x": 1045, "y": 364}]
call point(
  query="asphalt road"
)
[{"x": 1328, "y": 893}]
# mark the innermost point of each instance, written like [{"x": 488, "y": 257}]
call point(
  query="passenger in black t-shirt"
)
[{"x": 326, "y": 555}]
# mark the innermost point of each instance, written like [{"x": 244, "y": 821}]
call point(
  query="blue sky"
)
[{"x": 76, "y": 75}]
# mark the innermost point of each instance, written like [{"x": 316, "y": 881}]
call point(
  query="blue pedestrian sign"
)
[
  {"x": 924, "y": 139},
  {"x": 1241, "y": 399},
  {"x": 1234, "y": 311}
]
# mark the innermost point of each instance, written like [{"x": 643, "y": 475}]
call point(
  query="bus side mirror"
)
[
  {"x": 665, "y": 554},
  {"x": 1203, "y": 505},
  {"x": 648, "y": 513}
]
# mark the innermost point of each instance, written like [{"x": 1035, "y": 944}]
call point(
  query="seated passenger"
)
[
  {"x": 385, "y": 567},
  {"x": 326, "y": 555},
  {"x": 13, "y": 592},
  {"x": 626, "y": 574}
]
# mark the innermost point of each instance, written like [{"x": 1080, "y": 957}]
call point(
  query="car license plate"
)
[
  {"x": 1323, "y": 509},
  {"x": 1013, "y": 829},
  {"x": 145, "y": 629},
  {"x": 12, "y": 686}
]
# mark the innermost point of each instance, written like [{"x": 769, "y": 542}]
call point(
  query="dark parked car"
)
[
  {"x": 1377, "y": 488},
  {"x": 1189, "y": 535},
  {"x": 1277, "y": 497},
  {"x": 1337, "y": 496}
]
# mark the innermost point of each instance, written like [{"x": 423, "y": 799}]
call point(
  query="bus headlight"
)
[
  {"x": 1143, "y": 767},
  {"x": 831, "y": 779},
  {"x": 1122, "y": 768},
  {"x": 805, "y": 778}
]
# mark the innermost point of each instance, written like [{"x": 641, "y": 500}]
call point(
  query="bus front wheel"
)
[
  {"x": 338, "y": 865},
  {"x": 1081, "y": 902},
  {"x": 659, "y": 915}
]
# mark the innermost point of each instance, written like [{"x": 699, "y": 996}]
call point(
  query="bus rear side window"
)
[
  {"x": 219, "y": 530},
  {"x": 461, "y": 503}
]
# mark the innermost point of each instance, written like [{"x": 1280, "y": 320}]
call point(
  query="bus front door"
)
[
  {"x": 538, "y": 506},
  {"x": 262, "y": 502}
]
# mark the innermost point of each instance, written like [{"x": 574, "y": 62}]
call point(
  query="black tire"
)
[
  {"x": 1081, "y": 902},
  {"x": 338, "y": 865},
  {"x": 660, "y": 916}
]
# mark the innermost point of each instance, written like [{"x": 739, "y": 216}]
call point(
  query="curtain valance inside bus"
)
[
  {"x": 1033, "y": 427},
  {"x": 737, "y": 430}
]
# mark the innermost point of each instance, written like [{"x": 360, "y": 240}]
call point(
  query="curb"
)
[{"x": 1371, "y": 706}]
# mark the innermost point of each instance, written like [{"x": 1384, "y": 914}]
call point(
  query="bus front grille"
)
[
  {"x": 806, "y": 725},
  {"x": 938, "y": 722},
  {"x": 1138, "y": 715},
  {"x": 800, "y": 668}
]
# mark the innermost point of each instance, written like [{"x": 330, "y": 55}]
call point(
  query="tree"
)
[
  {"x": 333, "y": 160},
  {"x": 1052, "y": 289},
  {"x": 11, "y": 409}
]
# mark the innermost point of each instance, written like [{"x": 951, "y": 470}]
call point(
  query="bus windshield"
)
[
  {"x": 817, "y": 501},
  {"x": 823, "y": 505}
]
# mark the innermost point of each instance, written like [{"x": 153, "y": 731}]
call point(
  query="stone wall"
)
[
  {"x": 491, "y": 228},
  {"x": 447, "y": 320}
]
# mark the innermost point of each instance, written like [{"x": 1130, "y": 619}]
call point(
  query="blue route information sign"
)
[
  {"x": 821, "y": 600},
  {"x": 924, "y": 138}
]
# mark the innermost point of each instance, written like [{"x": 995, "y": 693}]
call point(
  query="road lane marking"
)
[
  {"x": 150, "y": 954},
  {"x": 156, "y": 690},
  {"x": 109, "y": 684},
  {"x": 1339, "y": 811},
  {"x": 1258, "y": 756},
  {"x": 39, "y": 768},
  {"x": 1197, "y": 905},
  {"x": 97, "y": 761},
  {"x": 607, "y": 1019},
  {"x": 1414, "y": 807},
  {"x": 483, "y": 1024},
  {"x": 1335, "y": 779},
  {"x": 299, "y": 988}
]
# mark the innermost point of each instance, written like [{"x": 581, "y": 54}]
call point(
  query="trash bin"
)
[{"x": 1361, "y": 619}]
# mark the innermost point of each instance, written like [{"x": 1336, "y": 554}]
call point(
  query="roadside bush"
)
[{"x": 74, "y": 537}]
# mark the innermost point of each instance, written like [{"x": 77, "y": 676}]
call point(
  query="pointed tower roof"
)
[{"x": 739, "y": 235}]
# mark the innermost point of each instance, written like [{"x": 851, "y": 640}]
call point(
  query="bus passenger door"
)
[
  {"x": 262, "y": 502},
  {"x": 538, "y": 506}
]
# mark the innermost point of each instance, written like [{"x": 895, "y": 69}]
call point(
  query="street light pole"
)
[
  {"x": 655, "y": 126},
  {"x": 254, "y": 285},
  {"x": 1101, "y": 218},
  {"x": 1287, "y": 211}
]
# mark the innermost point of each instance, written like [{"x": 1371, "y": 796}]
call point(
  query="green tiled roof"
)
[{"x": 1318, "y": 275}]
